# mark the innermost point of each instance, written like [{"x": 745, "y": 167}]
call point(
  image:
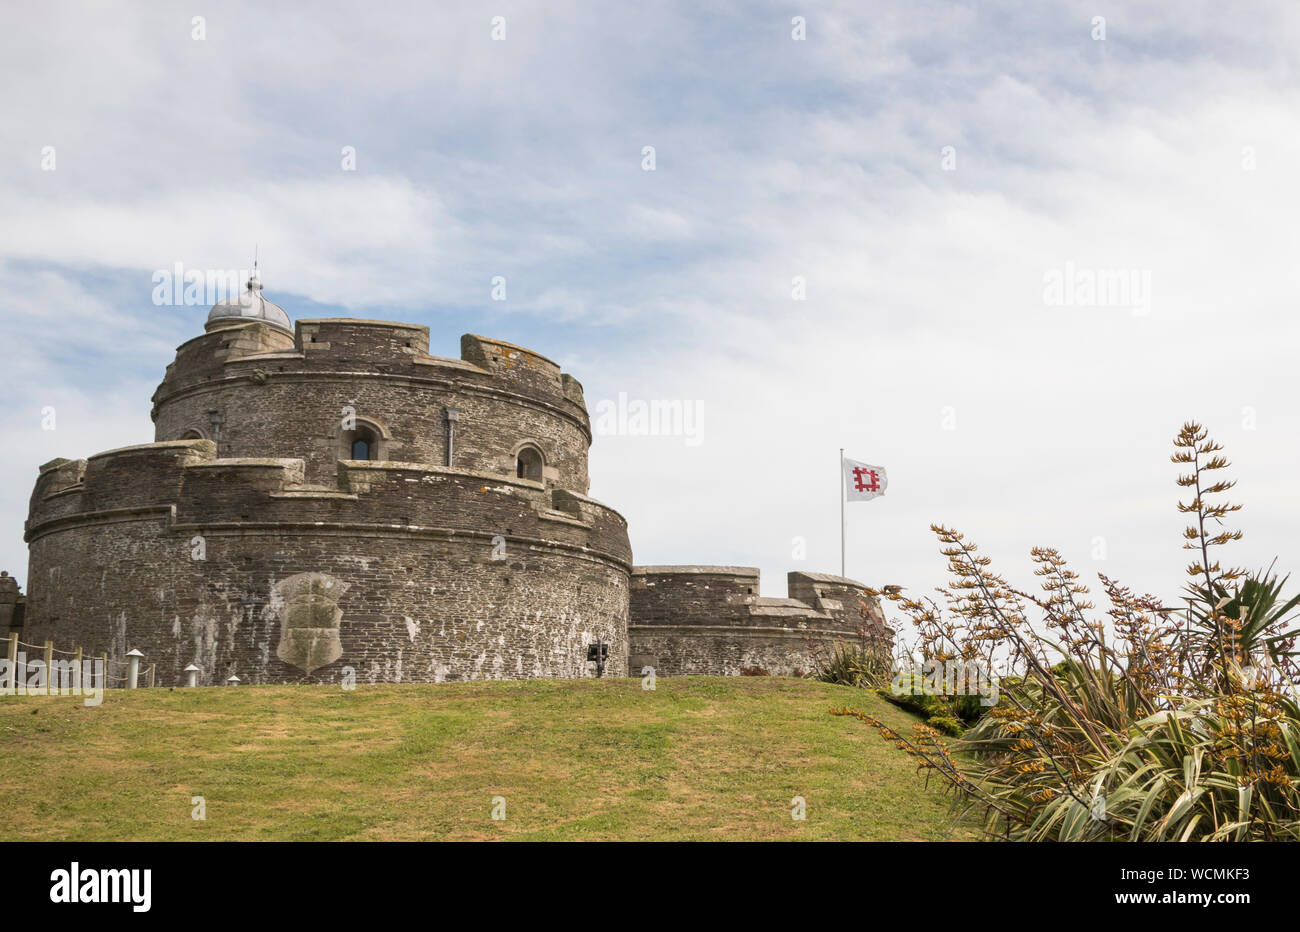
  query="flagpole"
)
[{"x": 842, "y": 494}]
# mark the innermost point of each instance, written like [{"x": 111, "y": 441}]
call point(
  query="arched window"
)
[
  {"x": 363, "y": 442},
  {"x": 528, "y": 463},
  {"x": 193, "y": 434}
]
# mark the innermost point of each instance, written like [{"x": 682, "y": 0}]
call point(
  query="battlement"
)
[
  {"x": 838, "y": 597},
  {"x": 713, "y": 595},
  {"x": 355, "y": 339},
  {"x": 357, "y": 346},
  {"x": 256, "y": 391},
  {"x": 186, "y": 484},
  {"x": 710, "y": 620},
  {"x": 519, "y": 366}
]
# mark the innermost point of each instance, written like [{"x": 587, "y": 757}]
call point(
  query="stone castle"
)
[{"x": 325, "y": 498}]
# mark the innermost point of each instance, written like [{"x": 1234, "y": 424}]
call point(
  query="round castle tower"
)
[{"x": 329, "y": 497}]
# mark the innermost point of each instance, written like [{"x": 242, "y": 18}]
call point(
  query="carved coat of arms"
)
[{"x": 308, "y": 609}]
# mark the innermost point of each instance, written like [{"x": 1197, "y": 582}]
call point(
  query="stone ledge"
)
[
  {"x": 407, "y": 531},
  {"x": 106, "y": 516},
  {"x": 827, "y": 578},
  {"x": 316, "y": 493},
  {"x": 740, "y": 632},
  {"x": 398, "y": 466},
  {"x": 449, "y": 363},
  {"x": 360, "y": 321},
  {"x": 561, "y": 517},
  {"x": 491, "y": 388},
  {"x": 786, "y": 608},
  {"x": 696, "y": 570},
  {"x": 200, "y": 447},
  {"x": 285, "y": 462}
]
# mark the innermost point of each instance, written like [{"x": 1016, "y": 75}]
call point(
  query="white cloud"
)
[{"x": 775, "y": 159}]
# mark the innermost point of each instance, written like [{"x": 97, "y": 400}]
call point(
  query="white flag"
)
[{"x": 862, "y": 482}]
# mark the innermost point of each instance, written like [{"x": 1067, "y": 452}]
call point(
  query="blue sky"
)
[{"x": 1168, "y": 150}]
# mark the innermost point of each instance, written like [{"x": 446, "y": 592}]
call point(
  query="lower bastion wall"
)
[
  {"x": 402, "y": 572},
  {"x": 711, "y": 621}
]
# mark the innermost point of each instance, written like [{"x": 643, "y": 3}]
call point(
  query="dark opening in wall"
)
[
  {"x": 363, "y": 442},
  {"x": 528, "y": 464}
]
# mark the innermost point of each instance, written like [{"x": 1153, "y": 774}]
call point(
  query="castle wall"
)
[
  {"x": 711, "y": 621},
  {"x": 290, "y": 402},
  {"x": 245, "y": 540},
  {"x": 403, "y": 572},
  {"x": 845, "y": 600},
  {"x": 12, "y": 606}
]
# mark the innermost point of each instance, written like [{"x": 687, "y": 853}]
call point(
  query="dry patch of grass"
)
[{"x": 696, "y": 758}]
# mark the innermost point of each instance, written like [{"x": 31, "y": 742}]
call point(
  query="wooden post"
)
[
  {"x": 103, "y": 658},
  {"x": 76, "y": 669},
  {"x": 13, "y": 661},
  {"x": 49, "y": 664},
  {"x": 153, "y": 670}
]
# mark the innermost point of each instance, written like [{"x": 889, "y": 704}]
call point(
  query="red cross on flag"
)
[{"x": 862, "y": 482}]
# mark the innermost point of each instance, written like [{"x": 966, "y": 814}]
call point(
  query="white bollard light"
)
[
  {"x": 233, "y": 681},
  {"x": 133, "y": 668},
  {"x": 191, "y": 675}
]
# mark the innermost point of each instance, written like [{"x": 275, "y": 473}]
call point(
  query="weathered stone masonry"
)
[
  {"x": 246, "y": 541},
  {"x": 710, "y": 620},
  {"x": 12, "y": 606},
  {"x": 327, "y": 496}
]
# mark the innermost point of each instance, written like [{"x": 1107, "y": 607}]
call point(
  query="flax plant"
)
[{"x": 1145, "y": 723}]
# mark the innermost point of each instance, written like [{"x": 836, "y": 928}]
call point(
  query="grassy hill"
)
[{"x": 697, "y": 758}]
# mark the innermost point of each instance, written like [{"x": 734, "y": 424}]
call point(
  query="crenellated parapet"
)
[
  {"x": 254, "y": 390},
  {"x": 195, "y": 490},
  {"x": 711, "y": 620},
  {"x": 841, "y": 598}
]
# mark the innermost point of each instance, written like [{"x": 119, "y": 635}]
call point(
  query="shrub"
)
[
  {"x": 867, "y": 662},
  {"x": 950, "y": 715},
  {"x": 849, "y": 665}
]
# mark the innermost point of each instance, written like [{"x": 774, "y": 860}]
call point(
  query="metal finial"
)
[{"x": 253, "y": 281}]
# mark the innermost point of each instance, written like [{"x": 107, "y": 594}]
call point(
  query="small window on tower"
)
[
  {"x": 528, "y": 464},
  {"x": 362, "y": 443}
]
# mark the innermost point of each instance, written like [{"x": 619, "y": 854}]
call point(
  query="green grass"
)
[{"x": 696, "y": 758}]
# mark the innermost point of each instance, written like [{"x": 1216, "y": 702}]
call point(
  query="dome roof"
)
[{"x": 250, "y": 306}]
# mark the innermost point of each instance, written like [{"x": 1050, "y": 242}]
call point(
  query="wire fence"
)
[{"x": 131, "y": 673}]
